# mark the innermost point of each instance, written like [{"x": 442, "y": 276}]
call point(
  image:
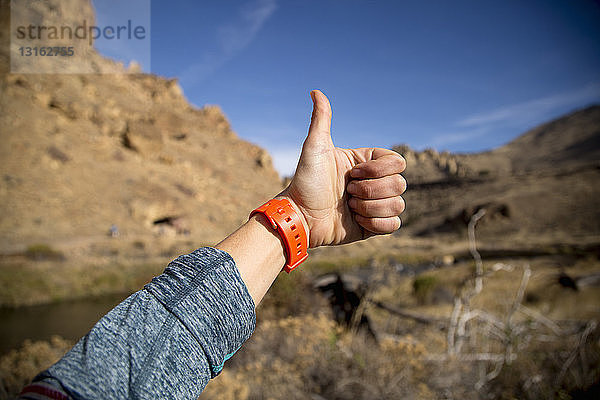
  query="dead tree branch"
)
[{"x": 420, "y": 318}]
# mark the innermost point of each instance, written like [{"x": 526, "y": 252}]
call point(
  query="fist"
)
[{"x": 344, "y": 195}]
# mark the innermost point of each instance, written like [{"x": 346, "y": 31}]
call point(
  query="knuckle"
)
[
  {"x": 401, "y": 163},
  {"x": 373, "y": 226},
  {"x": 385, "y": 225},
  {"x": 392, "y": 224},
  {"x": 364, "y": 207},
  {"x": 386, "y": 166},
  {"x": 402, "y": 205},
  {"x": 378, "y": 170},
  {"x": 367, "y": 189},
  {"x": 356, "y": 188},
  {"x": 400, "y": 183},
  {"x": 374, "y": 168},
  {"x": 399, "y": 206},
  {"x": 322, "y": 110},
  {"x": 368, "y": 168}
]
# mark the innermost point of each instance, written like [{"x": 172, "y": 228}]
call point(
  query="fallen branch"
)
[
  {"x": 473, "y": 249},
  {"x": 590, "y": 327},
  {"x": 420, "y": 318},
  {"x": 466, "y": 357},
  {"x": 537, "y": 316}
]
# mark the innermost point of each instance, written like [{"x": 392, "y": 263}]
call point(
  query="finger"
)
[
  {"x": 381, "y": 208},
  {"x": 320, "y": 121},
  {"x": 379, "y": 225},
  {"x": 380, "y": 188},
  {"x": 318, "y": 141},
  {"x": 384, "y": 162}
]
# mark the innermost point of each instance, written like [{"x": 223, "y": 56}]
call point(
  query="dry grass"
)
[
  {"x": 18, "y": 367},
  {"x": 46, "y": 282},
  {"x": 309, "y": 357},
  {"x": 297, "y": 352}
]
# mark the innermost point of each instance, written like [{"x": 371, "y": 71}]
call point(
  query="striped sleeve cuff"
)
[{"x": 42, "y": 391}]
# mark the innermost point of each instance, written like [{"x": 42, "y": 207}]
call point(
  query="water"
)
[
  {"x": 73, "y": 319},
  {"x": 69, "y": 319}
]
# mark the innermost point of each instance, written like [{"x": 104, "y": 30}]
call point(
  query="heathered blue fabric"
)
[{"x": 165, "y": 341}]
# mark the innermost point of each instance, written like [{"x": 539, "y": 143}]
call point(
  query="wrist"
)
[
  {"x": 286, "y": 196},
  {"x": 259, "y": 254},
  {"x": 287, "y": 219}
]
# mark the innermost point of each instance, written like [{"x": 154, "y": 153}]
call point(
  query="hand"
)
[{"x": 345, "y": 195}]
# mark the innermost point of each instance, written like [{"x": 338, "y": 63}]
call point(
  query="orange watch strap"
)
[{"x": 287, "y": 222}]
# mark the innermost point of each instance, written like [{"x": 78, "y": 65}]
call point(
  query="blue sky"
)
[{"x": 461, "y": 75}]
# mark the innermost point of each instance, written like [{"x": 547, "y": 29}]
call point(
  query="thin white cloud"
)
[
  {"x": 231, "y": 39},
  {"x": 532, "y": 110},
  {"x": 516, "y": 115},
  {"x": 234, "y": 37},
  {"x": 440, "y": 141}
]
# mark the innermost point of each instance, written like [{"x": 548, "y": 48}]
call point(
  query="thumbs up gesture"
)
[{"x": 344, "y": 195}]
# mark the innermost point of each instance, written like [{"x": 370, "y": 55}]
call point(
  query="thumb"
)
[{"x": 319, "y": 133}]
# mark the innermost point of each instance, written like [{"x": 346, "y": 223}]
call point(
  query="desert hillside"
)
[
  {"x": 85, "y": 153},
  {"x": 118, "y": 168},
  {"x": 82, "y": 153},
  {"x": 541, "y": 187}
]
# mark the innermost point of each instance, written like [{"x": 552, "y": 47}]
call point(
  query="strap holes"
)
[
  {"x": 293, "y": 227},
  {"x": 288, "y": 219}
]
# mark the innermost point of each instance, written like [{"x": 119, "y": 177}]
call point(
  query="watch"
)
[{"x": 284, "y": 219}]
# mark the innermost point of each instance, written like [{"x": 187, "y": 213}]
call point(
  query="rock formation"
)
[{"x": 83, "y": 152}]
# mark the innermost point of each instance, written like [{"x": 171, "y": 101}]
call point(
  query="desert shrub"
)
[
  {"x": 20, "y": 366},
  {"x": 423, "y": 288},
  {"x": 290, "y": 295},
  {"x": 539, "y": 374},
  {"x": 311, "y": 357},
  {"x": 322, "y": 267},
  {"x": 40, "y": 252},
  {"x": 338, "y": 263}
]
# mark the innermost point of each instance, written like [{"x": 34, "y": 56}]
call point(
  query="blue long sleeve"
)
[{"x": 165, "y": 341}]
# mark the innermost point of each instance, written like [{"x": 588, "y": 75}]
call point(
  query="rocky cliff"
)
[{"x": 82, "y": 153}]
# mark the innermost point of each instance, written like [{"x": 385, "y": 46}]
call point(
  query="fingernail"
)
[
  {"x": 351, "y": 187},
  {"x": 357, "y": 173},
  {"x": 352, "y": 202}
]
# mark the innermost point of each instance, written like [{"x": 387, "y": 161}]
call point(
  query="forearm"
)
[
  {"x": 165, "y": 341},
  {"x": 258, "y": 253}
]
